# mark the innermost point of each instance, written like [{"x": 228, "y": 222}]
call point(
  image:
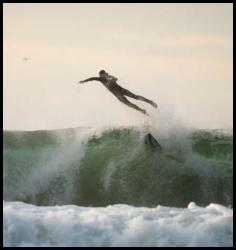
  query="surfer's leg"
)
[
  {"x": 138, "y": 97},
  {"x": 128, "y": 103}
]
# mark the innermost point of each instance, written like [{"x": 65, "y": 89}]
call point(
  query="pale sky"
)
[{"x": 179, "y": 55}]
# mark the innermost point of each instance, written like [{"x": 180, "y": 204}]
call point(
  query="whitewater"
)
[
  {"x": 117, "y": 225},
  {"x": 106, "y": 187}
]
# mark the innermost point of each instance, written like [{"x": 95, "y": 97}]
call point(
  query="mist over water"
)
[
  {"x": 108, "y": 166},
  {"x": 107, "y": 175}
]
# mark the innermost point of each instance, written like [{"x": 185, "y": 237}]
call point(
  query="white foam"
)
[{"x": 117, "y": 225}]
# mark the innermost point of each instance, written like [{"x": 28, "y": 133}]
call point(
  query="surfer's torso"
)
[{"x": 109, "y": 82}]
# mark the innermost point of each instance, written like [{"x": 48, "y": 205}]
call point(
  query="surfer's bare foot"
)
[
  {"x": 154, "y": 104},
  {"x": 144, "y": 111}
]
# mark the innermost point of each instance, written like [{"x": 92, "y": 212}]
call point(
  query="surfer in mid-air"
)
[{"x": 110, "y": 83}]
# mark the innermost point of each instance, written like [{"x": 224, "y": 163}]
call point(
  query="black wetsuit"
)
[{"x": 110, "y": 83}]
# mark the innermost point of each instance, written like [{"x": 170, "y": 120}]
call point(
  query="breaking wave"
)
[{"x": 98, "y": 168}]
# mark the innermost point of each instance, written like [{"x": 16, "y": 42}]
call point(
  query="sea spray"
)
[{"x": 101, "y": 167}]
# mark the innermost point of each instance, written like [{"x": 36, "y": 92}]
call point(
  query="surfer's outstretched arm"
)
[{"x": 91, "y": 79}]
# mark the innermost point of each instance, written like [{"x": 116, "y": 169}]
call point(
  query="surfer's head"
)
[{"x": 102, "y": 73}]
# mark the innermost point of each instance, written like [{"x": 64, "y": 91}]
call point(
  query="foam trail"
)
[{"x": 117, "y": 225}]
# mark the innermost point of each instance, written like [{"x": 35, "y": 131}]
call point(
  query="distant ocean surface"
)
[{"x": 82, "y": 187}]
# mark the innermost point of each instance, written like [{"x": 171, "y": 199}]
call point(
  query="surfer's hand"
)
[{"x": 81, "y": 82}]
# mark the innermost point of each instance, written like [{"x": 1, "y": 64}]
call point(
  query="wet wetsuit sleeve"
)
[{"x": 92, "y": 79}]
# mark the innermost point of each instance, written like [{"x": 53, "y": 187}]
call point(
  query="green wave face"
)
[{"x": 116, "y": 166}]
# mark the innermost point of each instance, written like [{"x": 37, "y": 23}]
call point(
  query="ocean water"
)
[{"x": 84, "y": 187}]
